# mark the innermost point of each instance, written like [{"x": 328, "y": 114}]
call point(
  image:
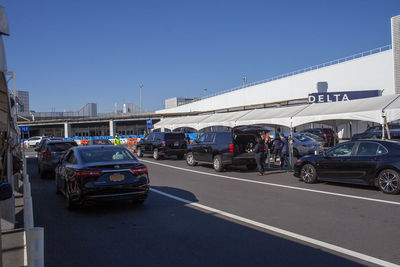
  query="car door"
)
[
  {"x": 147, "y": 146},
  {"x": 68, "y": 169},
  {"x": 197, "y": 147},
  {"x": 207, "y": 147},
  {"x": 366, "y": 159},
  {"x": 337, "y": 162}
]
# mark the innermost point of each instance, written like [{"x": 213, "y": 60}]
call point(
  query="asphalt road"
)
[{"x": 197, "y": 217}]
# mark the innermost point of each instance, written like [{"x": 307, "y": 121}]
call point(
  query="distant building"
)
[
  {"x": 130, "y": 109},
  {"x": 178, "y": 101},
  {"x": 22, "y": 102}
]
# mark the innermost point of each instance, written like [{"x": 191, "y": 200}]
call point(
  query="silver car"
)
[{"x": 304, "y": 145}]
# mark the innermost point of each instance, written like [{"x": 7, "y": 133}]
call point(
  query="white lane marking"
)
[
  {"x": 278, "y": 185},
  {"x": 25, "y": 251},
  {"x": 309, "y": 240}
]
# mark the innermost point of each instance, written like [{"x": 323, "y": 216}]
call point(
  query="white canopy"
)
[
  {"x": 333, "y": 113},
  {"x": 222, "y": 119},
  {"x": 273, "y": 116},
  {"x": 367, "y": 109}
]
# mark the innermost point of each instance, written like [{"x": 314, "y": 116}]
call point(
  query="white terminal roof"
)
[{"x": 332, "y": 113}]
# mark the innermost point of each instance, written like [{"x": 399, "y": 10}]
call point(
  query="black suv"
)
[
  {"x": 224, "y": 149},
  {"x": 329, "y": 136},
  {"x": 162, "y": 144},
  {"x": 375, "y": 132}
]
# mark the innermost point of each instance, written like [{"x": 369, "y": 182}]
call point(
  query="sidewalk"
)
[{"x": 13, "y": 245}]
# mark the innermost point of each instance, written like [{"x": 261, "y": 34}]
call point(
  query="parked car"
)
[
  {"x": 367, "y": 162},
  {"x": 329, "y": 136},
  {"x": 50, "y": 154},
  {"x": 99, "y": 142},
  {"x": 46, "y": 138},
  {"x": 223, "y": 149},
  {"x": 305, "y": 145},
  {"x": 161, "y": 144},
  {"x": 33, "y": 141},
  {"x": 375, "y": 132},
  {"x": 99, "y": 173},
  {"x": 315, "y": 137}
]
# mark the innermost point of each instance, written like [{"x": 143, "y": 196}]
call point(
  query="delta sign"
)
[{"x": 341, "y": 96}]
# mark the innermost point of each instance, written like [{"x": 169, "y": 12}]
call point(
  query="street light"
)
[
  {"x": 244, "y": 79},
  {"x": 140, "y": 97},
  {"x": 205, "y": 91}
]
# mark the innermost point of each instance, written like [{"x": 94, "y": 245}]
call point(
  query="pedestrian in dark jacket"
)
[
  {"x": 276, "y": 146},
  {"x": 284, "y": 151},
  {"x": 259, "y": 155}
]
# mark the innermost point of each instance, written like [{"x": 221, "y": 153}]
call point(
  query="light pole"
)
[
  {"x": 140, "y": 97},
  {"x": 244, "y": 79},
  {"x": 205, "y": 91}
]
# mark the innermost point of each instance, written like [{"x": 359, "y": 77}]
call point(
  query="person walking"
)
[
  {"x": 276, "y": 146},
  {"x": 259, "y": 155},
  {"x": 284, "y": 152},
  {"x": 117, "y": 142}
]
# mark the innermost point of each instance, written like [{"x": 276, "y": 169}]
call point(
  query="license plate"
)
[
  {"x": 176, "y": 143},
  {"x": 117, "y": 177}
]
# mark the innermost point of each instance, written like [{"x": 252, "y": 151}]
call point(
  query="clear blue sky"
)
[{"x": 69, "y": 53}]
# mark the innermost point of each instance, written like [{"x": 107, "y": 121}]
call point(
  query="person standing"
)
[
  {"x": 117, "y": 142},
  {"x": 259, "y": 155},
  {"x": 276, "y": 146},
  {"x": 284, "y": 151}
]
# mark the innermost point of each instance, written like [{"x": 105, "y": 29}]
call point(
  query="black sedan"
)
[
  {"x": 89, "y": 174},
  {"x": 368, "y": 162}
]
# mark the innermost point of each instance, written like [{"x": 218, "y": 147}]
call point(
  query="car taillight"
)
[
  {"x": 46, "y": 154},
  {"x": 86, "y": 173},
  {"x": 265, "y": 148},
  {"x": 230, "y": 148},
  {"x": 327, "y": 135},
  {"x": 163, "y": 144},
  {"x": 139, "y": 170}
]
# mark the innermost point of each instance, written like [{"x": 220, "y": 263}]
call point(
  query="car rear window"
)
[
  {"x": 102, "y": 142},
  {"x": 224, "y": 138},
  {"x": 174, "y": 136},
  {"x": 58, "y": 147},
  {"x": 108, "y": 155}
]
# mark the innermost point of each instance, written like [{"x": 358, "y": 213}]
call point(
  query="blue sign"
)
[
  {"x": 149, "y": 124},
  {"x": 341, "y": 96},
  {"x": 24, "y": 129}
]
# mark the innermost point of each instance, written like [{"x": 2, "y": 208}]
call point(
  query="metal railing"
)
[{"x": 315, "y": 67}]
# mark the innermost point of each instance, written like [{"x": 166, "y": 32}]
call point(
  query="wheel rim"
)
[
  {"x": 389, "y": 181},
  {"x": 155, "y": 153},
  {"x": 189, "y": 158},
  {"x": 307, "y": 173},
  {"x": 139, "y": 152},
  {"x": 216, "y": 163}
]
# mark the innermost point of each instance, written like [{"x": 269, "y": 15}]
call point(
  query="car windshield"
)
[
  {"x": 58, "y": 147},
  {"x": 302, "y": 138},
  {"x": 105, "y": 155}
]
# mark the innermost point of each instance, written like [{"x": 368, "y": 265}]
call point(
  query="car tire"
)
[
  {"x": 308, "y": 173},
  {"x": 190, "y": 159},
  {"x": 251, "y": 166},
  {"x": 139, "y": 152},
  {"x": 68, "y": 203},
  {"x": 389, "y": 181},
  {"x": 156, "y": 155},
  {"x": 217, "y": 163}
]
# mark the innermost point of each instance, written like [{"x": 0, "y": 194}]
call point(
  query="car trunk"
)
[{"x": 244, "y": 141}]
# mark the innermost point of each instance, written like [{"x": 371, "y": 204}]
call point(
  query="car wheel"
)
[
  {"x": 190, "y": 159},
  {"x": 217, "y": 163},
  {"x": 68, "y": 203},
  {"x": 389, "y": 181},
  {"x": 308, "y": 174},
  {"x": 156, "y": 155},
  {"x": 251, "y": 166},
  {"x": 139, "y": 152}
]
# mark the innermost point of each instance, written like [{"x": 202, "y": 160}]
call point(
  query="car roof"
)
[
  {"x": 60, "y": 141},
  {"x": 100, "y": 147}
]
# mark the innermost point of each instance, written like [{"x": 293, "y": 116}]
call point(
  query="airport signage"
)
[
  {"x": 24, "y": 129},
  {"x": 341, "y": 96},
  {"x": 149, "y": 124}
]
